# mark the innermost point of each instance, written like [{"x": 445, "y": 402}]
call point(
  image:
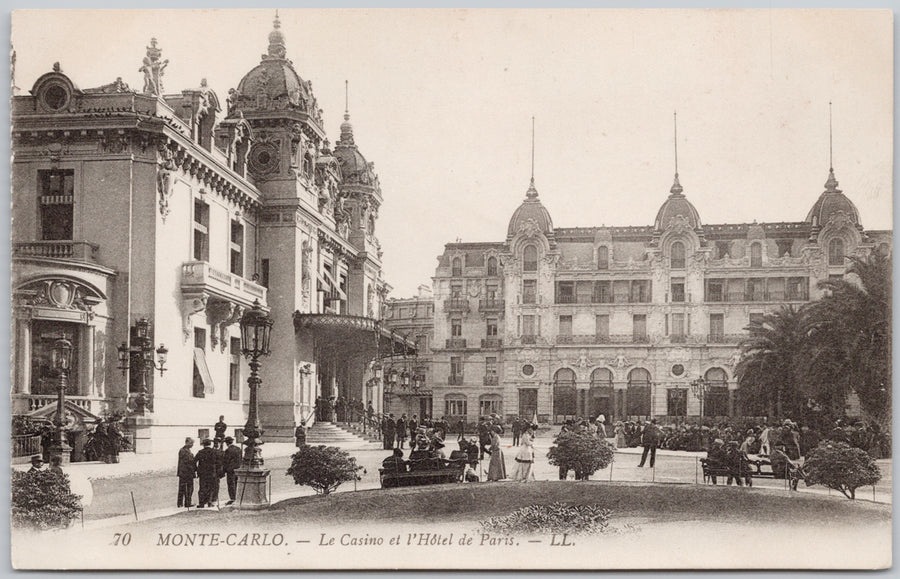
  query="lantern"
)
[{"x": 256, "y": 327}]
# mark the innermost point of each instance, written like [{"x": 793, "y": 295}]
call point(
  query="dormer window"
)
[
  {"x": 836, "y": 251},
  {"x": 603, "y": 257},
  {"x": 456, "y": 268},
  {"x": 529, "y": 258},
  {"x": 756, "y": 255},
  {"x": 677, "y": 255},
  {"x": 57, "y": 190},
  {"x": 492, "y": 266}
]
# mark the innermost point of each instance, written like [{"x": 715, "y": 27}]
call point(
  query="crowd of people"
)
[{"x": 209, "y": 465}]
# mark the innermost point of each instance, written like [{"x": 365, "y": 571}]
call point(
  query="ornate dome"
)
[
  {"x": 831, "y": 202},
  {"x": 676, "y": 205},
  {"x": 274, "y": 84},
  {"x": 531, "y": 211},
  {"x": 354, "y": 167}
]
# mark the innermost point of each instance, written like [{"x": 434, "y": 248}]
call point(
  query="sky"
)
[{"x": 442, "y": 101}]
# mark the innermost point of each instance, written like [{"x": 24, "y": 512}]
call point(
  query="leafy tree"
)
[
  {"x": 42, "y": 500},
  {"x": 841, "y": 467},
  {"x": 852, "y": 324},
  {"x": 324, "y": 468},
  {"x": 769, "y": 371},
  {"x": 582, "y": 452}
]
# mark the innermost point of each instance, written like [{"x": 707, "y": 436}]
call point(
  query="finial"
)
[
  {"x": 277, "y": 47},
  {"x": 830, "y": 142},
  {"x": 532, "y": 149},
  {"x": 346, "y": 127},
  {"x": 346, "y": 100},
  {"x": 676, "y": 186}
]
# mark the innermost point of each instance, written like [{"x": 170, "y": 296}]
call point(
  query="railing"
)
[
  {"x": 456, "y": 305},
  {"x": 38, "y": 401},
  {"x": 456, "y": 344},
  {"x": 491, "y": 380},
  {"x": 725, "y": 338},
  {"x": 77, "y": 250},
  {"x": 455, "y": 380},
  {"x": 531, "y": 339},
  {"x": 201, "y": 275},
  {"x": 491, "y": 343},
  {"x": 491, "y": 305},
  {"x": 26, "y": 445},
  {"x": 678, "y": 338},
  {"x": 757, "y": 296}
]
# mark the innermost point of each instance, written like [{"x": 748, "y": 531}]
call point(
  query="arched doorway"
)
[
  {"x": 601, "y": 394},
  {"x": 639, "y": 393},
  {"x": 564, "y": 396},
  {"x": 716, "y": 403}
]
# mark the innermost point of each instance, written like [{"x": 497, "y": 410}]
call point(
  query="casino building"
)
[
  {"x": 142, "y": 217},
  {"x": 564, "y": 322}
]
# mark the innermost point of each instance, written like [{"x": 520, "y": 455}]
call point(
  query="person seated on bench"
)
[
  {"x": 420, "y": 458},
  {"x": 737, "y": 465},
  {"x": 394, "y": 464},
  {"x": 438, "y": 451},
  {"x": 716, "y": 457}
]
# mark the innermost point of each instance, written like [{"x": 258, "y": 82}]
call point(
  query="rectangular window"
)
[
  {"x": 677, "y": 293},
  {"x": 602, "y": 258},
  {"x": 715, "y": 290},
  {"x": 784, "y": 247},
  {"x": 456, "y": 290},
  {"x": 201, "y": 231},
  {"x": 456, "y": 368},
  {"x": 584, "y": 292},
  {"x": 676, "y": 402},
  {"x": 200, "y": 338},
  {"x": 264, "y": 274},
  {"x": 234, "y": 374},
  {"x": 237, "y": 248},
  {"x": 640, "y": 291},
  {"x": 455, "y": 407},
  {"x": 601, "y": 327},
  {"x": 456, "y": 327},
  {"x": 488, "y": 406},
  {"x": 529, "y": 291},
  {"x": 565, "y": 325},
  {"x": 491, "y": 328},
  {"x": 716, "y": 328},
  {"x": 602, "y": 292},
  {"x": 490, "y": 366},
  {"x": 755, "y": 289},
  {"x": 677, "y": 328},
  {"x": 735, "y": 290},
  {"x": 528, "y": 328},
  {"x": 775, "y": 289},
  {"x": 492, "y": 291},
  {"x": 57, "y": 200},
  {"x": 565, "y": 292},
  {"x": 639, "y": 331},
  {"x": 716, "y": 402},
  {"x": 797, "y": 288},
  {"x": 621, "y": 291},
  {"x": 723, "y": 249}
]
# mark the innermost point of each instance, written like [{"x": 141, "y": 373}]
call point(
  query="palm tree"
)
[
  {"x": 853, "y": 323},
  {"x": 769, "y": 372}
]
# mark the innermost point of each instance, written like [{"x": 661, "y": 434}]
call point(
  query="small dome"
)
[
  {"x": 676, "y": 205},
  {"x": 830, "y": 202},
  {"x": 530, "y": 210},
  {"x": 354, "y": 167}
]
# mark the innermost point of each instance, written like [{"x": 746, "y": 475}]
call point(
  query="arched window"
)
[
  {"x": 756, "y": 255},
  {"x": 457, "y": 267},
  {"x": 601, "y": 394},
  {"x": 677, "y": 255},
  {"x": 638, "y": 393},
  {"x": 529, "y": 258},
  {"x": 564, "y": 405},
  {"x": 603, "y": 257},
  {"x": 836, "y": 251},
  {"x": 492, "y": 266},
  {"x": 716, "y": 402}
]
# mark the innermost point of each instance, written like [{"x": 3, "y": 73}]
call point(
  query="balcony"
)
[
  {"x": 456, "y": 305},
  {"x": 491, "y": 380},
  {"x": 678, "y": 338},
  {"x": 74, "y": 250},
  {"x": 491, "y": 343},
  {"x": 25, "y": 403},
  {"x": 201, "y": 277},
  {"x": 455, "y": 380},
  {"x": 725, "y": 338},
  {"x": 529, "y": 339},
  {"x": 456, "y": 344},
  {"x": 491, "y": 305}
]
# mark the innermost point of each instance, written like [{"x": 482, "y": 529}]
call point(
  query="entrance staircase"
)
[{"x": 339, "y": 434}]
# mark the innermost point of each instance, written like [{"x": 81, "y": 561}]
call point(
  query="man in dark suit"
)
[
  {"x": 220, "y": 428},
  {"x": 186, "y": 472},
  {"x": 207, "y": 462},
  {"x": 650, "y": 438},
  {"x": 388, "y": 429},
  {"x": 232, "y": 463},
  {"x": 516, "y": 430}
]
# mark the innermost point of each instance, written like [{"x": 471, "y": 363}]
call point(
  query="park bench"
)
[
  {"x": 427, "y": 471},
  {"x": 714, "y": 469}
]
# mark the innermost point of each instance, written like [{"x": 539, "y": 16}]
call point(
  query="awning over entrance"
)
[{"x": 354, "y": 335}]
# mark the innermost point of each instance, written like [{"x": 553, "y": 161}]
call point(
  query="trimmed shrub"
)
[
  {"x": 582, "y": 452},
  {"x": 552, "y": 518},
  {"x": 324, "y": 468},
  {"x": 42, "y": 500},
  {"x": 841, "y": 467}
]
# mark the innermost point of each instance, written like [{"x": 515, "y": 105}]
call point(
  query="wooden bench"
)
[
  {"x": 427, "y": 471},
  {"x": 712, "y": 469}
]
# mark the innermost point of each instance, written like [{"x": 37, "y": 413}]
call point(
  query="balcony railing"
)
[
  {"x": 725, "y": 338},
  {"x": 456, "y": 344},
  {"x": 758, "y": 296},
  {"x": 491, "y": 305},
  {"x": 26, "y": 445},
  {"x": 455, "y": 380},
  {"x": 529, "y": 339},
  {"x": 460, "y": 305},
  {"x": 491, "y": 343},
  {"x": 75, "y": 250},
  {"x": 678, "y": 338},
  {"x": 491, "y": 380},
  {"x": 38, "y": 401},
  {"x": 201, "y": 276}
]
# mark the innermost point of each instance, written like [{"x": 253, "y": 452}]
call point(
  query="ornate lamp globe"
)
[{"x": 256, "y": 328}]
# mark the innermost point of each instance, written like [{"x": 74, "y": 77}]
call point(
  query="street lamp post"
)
[
  {"x": 700, "y": 387},
  {"x": 252, "y": 478},
  {"x": 62, "y": 360},
  {"x": 139, "y": 358}
]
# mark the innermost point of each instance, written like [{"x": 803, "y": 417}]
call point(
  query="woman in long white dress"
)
[{"x": 524, "y": 470}]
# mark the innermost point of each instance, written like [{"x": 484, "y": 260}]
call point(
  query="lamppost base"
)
[
  {"x": 252, "y": 489},
  {"x": 64, "y": 451}
]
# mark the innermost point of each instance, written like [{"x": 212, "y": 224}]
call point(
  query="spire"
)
[
  {"x": 532, "y": 190},
  {"x": 831, "y": 185},
  {"x": 277, "y": 47},
  {"x": 676, "y": 186},
  {"x": 346, "y": 127}
]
